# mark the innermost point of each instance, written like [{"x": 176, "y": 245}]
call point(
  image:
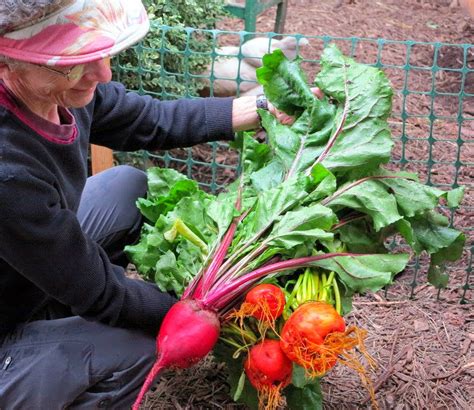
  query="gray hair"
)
[{"x": 15, "y": 14}]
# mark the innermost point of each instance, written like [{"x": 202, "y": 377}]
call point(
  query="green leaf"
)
[
  {"x": 365, "y": 272},
  {"x": 254, "y": 155},
  {"x": 222, "y": 211},
  {"x": 453, "y": 248},
  {"x": 193, "y": 211},
  {"x": 314, "y": 216},
  {"x": 167, "y": 275},
  {"x": 438, "y": 277},
  {"x": 299, "y": 378},
  {"x": 306, "y": 224},
  {"x": 172, "y": 264},
  {"x": 240, "y": 387},
  {"x": 294, "y": 238},
  {"x": 365, "y": 140},
  {"x": 270, "y": 205},
  {"x": 430, "y": 232},
  {"x": 435, "y": 237},
  {"x": 284, "y": 83},
  {"x": 360, "y": 237},
  {"x": 325, "y": 184},
  {"x": 284, "y": 140},
  {"x": 161, "y": 180},
  {"x": 368, "y": 86},
  {"x": 296, "y": 147},
  {"x": 455, "y": 197},
  {"x": 308, "y": 397},
  {"x": 147, "y": 251},
  {"x": 165, "y": 189},
  {"x": 404, "y": 227},
  {"x": 416, "y": 198},
  {"x": 346, "y": 299},
  {"x": 369, "y": 197},
  {"x": 269, "y": 177},
  {"x": 319, "y": 173},
  {"x": 412, "y": 197},
  {"x": 367, "y": 145}
]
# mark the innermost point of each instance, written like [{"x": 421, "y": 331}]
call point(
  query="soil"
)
[{"x": 422, "y": 339}]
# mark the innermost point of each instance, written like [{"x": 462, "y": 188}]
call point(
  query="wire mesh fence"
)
[{"x": 432, "y": 121}]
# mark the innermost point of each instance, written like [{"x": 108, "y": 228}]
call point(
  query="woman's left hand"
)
[
  {"x": 244, "y": 113},
  {"x": 286, "y": 119}
]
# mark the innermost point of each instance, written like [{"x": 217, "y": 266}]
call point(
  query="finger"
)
[
  {"x": 317, "y": 92},
  {"x": 283, "y": 118}
]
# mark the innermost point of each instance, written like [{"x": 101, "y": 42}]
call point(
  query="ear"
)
[
  {"x": 4, "y": 69},
  {"x": 8, "y": 71}
]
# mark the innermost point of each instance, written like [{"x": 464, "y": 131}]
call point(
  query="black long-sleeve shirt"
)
[{"x": 44, "y": 254}]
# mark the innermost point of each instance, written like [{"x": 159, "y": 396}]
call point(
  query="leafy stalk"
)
[
  {"x": 337, "y": 297},
  {"x": 237, "y": 254},
  {"x": 221, "y": 296},
  {"x": 347, "y": 220},
  {"x": 241, "y": 264},
  {"x": 294, "y": 165},
  {"x": 323, "y": 289},
  {"x": 204, "y": 281},
  {"x": 239, "y": 337}
]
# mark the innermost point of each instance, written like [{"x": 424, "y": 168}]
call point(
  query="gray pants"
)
[{"x": 62, "y": 361}]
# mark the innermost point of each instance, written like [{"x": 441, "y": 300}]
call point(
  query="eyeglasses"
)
[{"x": 74, "y": 73}]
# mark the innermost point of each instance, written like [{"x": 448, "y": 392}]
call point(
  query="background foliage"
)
[{"x": 167, "y": 61}]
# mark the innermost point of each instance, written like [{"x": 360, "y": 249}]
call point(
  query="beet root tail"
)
[{"x": 150, "y": 378}]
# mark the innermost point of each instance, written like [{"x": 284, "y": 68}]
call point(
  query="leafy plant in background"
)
[
  {"x": 316, "y": 195},
  {"x": 163, "y": 63}
]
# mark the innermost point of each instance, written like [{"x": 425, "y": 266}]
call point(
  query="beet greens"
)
[{"x": 316, "y": 194}]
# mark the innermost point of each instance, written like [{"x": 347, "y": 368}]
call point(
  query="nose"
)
[{"x": 98, "y": 71}]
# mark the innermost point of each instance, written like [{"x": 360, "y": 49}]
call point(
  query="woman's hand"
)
[
  {"x": 286, "y": 119},
  {"x": 245, "y": 117}
]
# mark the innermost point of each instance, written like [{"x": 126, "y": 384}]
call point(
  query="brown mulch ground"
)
[{"x": 424, "y": 345}]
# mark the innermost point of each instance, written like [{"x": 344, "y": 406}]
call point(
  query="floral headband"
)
[{"x": 79, "y": 32}]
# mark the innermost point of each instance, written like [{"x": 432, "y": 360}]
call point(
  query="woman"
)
[{"x": 75, "y": 332}]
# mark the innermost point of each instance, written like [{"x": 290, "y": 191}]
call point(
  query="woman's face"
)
[{"x": 35, "y": 84}]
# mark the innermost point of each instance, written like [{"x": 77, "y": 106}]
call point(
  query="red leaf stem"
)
[{"x": 222, "y": 296}]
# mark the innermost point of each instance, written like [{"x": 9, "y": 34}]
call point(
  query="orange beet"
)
[
  {"x": 267, "y": 365},
  {"x": 269, "y": 371},
  {"x": 267, "y": 301},
  {"x": 305, "y": 334}
]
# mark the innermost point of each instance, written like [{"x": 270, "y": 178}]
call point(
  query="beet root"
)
[{"x": 188, "y": 333}]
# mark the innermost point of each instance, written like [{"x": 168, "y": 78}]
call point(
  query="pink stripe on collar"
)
[{"x": 63, "y": 134}]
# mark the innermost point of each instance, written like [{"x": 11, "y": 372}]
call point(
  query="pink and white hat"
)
[{"x": 71, "y": 32}]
